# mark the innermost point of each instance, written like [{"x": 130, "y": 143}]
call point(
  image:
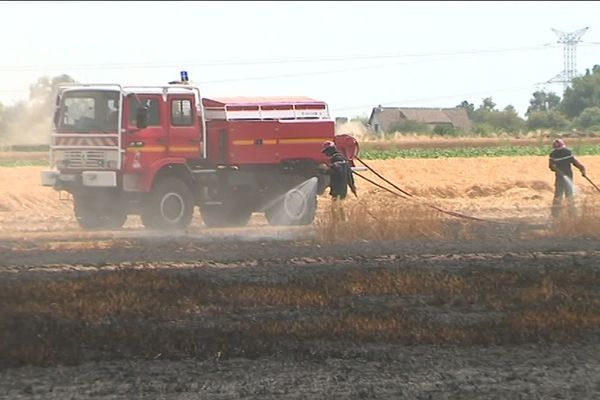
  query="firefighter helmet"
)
[
  {"x": 558, "y": 144},
  {"x": 328, "y": 147}
]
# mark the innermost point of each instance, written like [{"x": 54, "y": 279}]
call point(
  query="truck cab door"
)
[
  {"x": 184, "y": 127},
  {"x": 146, "y": 145}
]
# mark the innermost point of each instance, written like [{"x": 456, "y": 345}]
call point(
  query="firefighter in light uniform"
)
[
  {"x": 340, "y": 172},
  {"x": 560, "y": 162}
]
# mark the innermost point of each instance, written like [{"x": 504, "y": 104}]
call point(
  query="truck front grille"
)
[{"x": 80, "y": 159}]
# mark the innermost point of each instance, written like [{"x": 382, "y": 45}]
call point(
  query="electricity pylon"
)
[{"x": 569, "y": 41}]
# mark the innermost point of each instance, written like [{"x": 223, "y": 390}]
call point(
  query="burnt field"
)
[{"x": 400, "y": 302}]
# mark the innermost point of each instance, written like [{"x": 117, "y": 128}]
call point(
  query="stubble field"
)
[{"x": 399, "y": 302}]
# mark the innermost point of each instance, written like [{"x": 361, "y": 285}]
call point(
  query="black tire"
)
[
  {"x": 215, "y": 216},
  {"x": 170, "y": 205},
  {"x": 294, "y": 208},
  {"x": 115, "y": 219},
  {"x": 94, "y": 213}
]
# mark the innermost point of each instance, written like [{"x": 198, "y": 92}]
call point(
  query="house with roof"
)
[{"x": 382, "y": 119}]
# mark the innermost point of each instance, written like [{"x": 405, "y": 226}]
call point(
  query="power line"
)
[
  {"x": 299, "y": 74},
  {"x": 449, "y": 55},
  {"x": 26, "y": 3},
  {"x": 242, "y": 62},
  {"x": 313, "y": 73},
  {"x": 395, "y": 102}
]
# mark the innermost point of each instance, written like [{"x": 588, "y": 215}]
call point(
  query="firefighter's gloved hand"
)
[{"x": 323, "y": 168}]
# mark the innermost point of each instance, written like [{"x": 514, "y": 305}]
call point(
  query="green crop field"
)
[
  {"x": 496, "y": 151},
  {"x": 384, "y": 150},
  {"x": 23, "y": 163}
]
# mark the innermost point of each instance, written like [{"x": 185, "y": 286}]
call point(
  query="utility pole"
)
[{"x": 569, "y": 41}]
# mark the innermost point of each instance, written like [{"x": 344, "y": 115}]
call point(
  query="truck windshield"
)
[{"x": 89, "y": 111}]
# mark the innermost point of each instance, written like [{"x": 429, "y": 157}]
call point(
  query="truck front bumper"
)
[{"x": 60, "y": 180}]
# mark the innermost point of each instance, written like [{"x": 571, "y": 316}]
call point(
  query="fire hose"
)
[
  {"x": 406, "y": 195},
  {"x": 593, "y": 184}
]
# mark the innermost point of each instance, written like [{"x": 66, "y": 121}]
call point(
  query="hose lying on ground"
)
[{"x": 406, "y": 195}]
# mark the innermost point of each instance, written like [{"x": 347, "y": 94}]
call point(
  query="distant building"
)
[{"x": 383, "y": 118}]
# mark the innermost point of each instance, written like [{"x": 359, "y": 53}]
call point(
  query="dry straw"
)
[
  {"x": 380, "y": 217},
  {"x": 584, "y": 223}
]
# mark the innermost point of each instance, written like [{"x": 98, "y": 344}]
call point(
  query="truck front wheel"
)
[
  {"x": 93, "y": 213},
  {"x": 170, "y": 205}
]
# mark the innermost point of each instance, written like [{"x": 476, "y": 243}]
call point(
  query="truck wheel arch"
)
[{"x": 174, "y": 167}]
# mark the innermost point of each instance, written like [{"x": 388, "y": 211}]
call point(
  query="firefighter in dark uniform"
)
[
  {"x": 560, "y": 162},
  {"x": 340, "y": 172}
]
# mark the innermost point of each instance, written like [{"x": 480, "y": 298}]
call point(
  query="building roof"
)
[
  {"x": 426, "y": 115},
  {"x": 385, "y": 115},
  {"x": 457, "y": 116}
]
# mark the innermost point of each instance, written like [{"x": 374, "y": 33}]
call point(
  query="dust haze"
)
[
  {"x": 29, "y": 122},
  {"x": 353, "y": 128}
]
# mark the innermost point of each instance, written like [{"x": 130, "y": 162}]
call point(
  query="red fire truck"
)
[{"x": 161, "y": 151}]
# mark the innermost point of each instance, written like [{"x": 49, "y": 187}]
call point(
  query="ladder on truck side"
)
[{"x": 266, "y": 110}]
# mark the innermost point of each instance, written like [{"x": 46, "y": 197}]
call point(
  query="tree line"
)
[{"x": 578, "y": 109}]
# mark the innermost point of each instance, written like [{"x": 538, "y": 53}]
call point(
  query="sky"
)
[{"x": 354, "y": 55}]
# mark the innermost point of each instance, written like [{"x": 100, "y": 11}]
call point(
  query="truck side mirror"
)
[
  {"x": 56, "y": 116},
  {"x": 141, "y": 118},
  {"x": 57, "y": 101}
]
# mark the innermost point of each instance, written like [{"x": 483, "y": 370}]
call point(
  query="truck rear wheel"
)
[
  {"x": 170, "y": 205},
  {"x": 225, "y": 215},
  {"x": 296, "y": 207},
  {"x": 93, "y": 213}
]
